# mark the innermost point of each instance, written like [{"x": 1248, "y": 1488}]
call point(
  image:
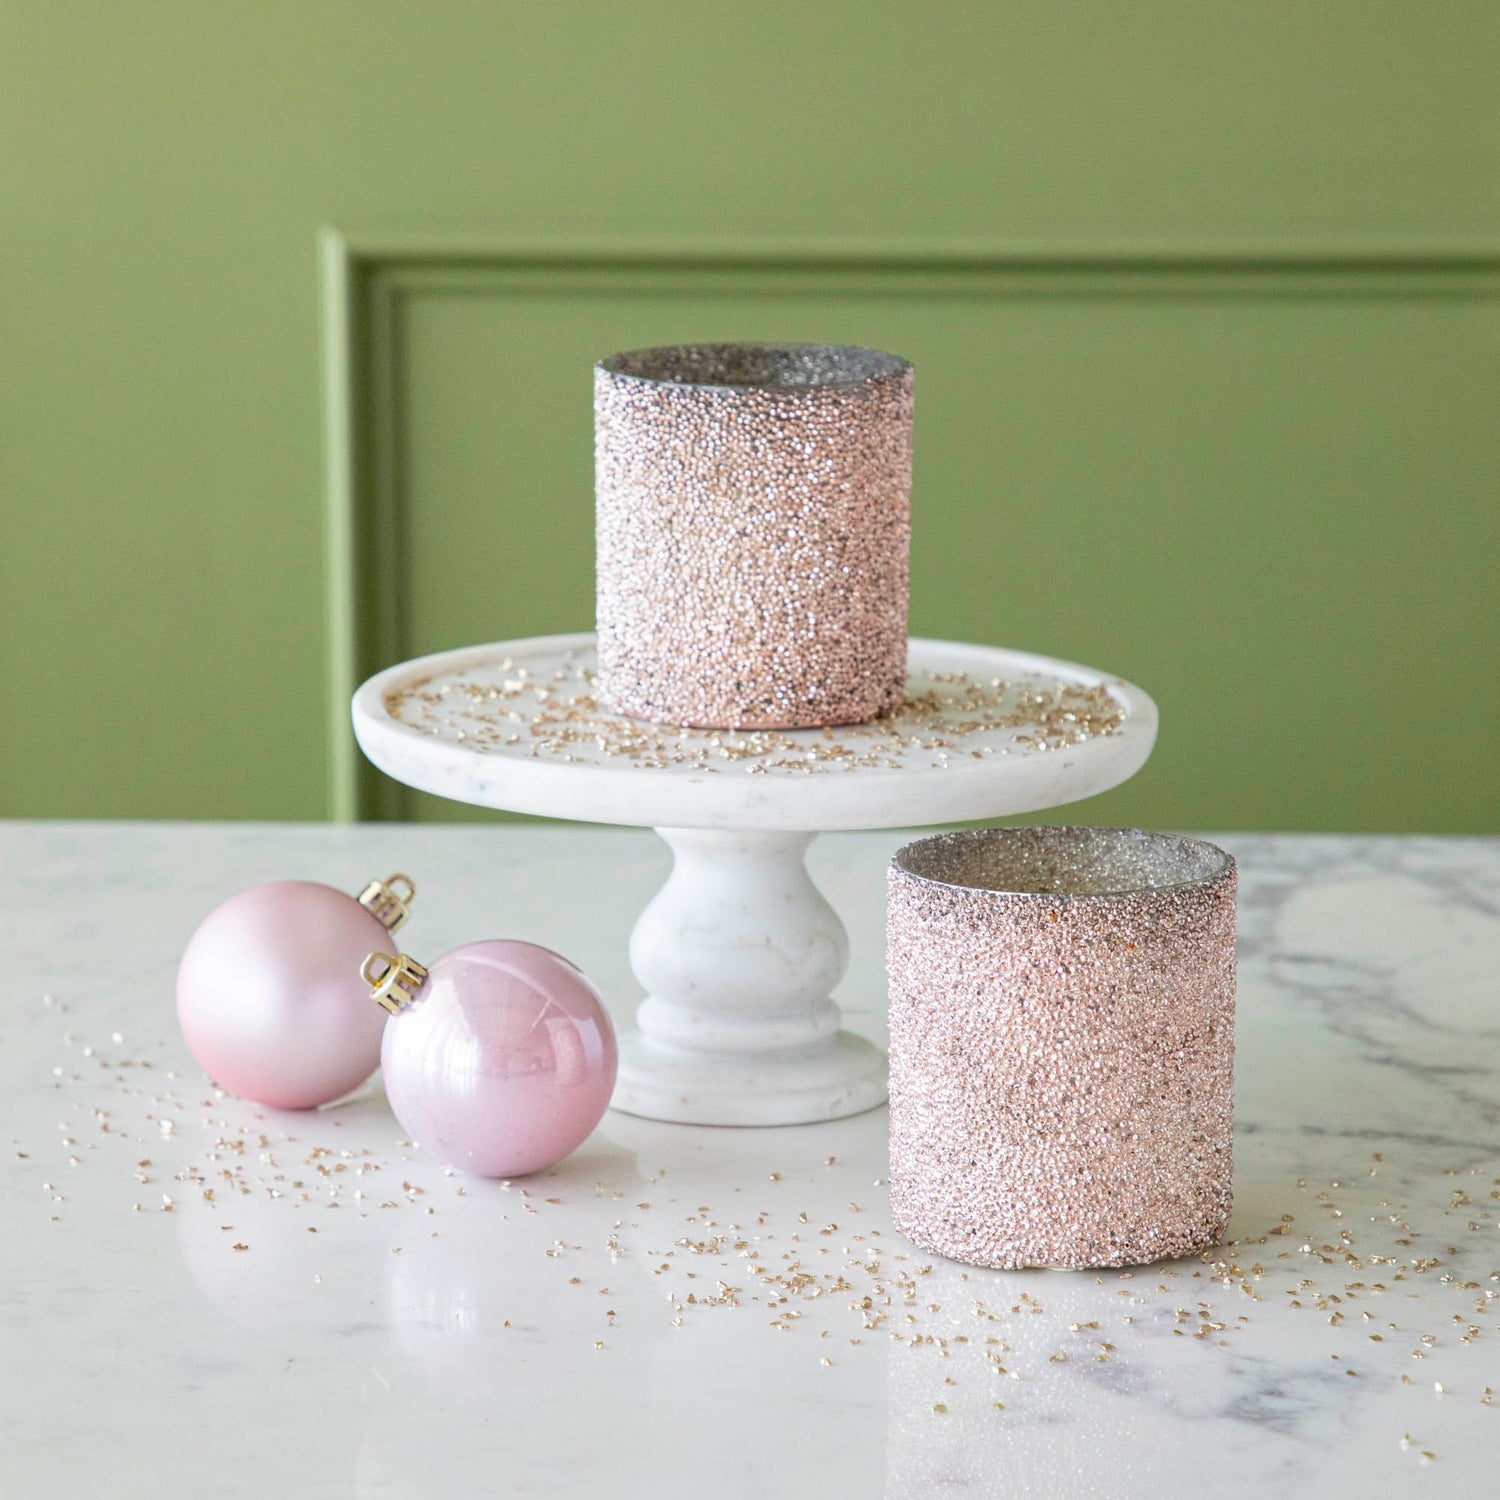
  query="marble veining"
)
[{"x": 676, "y": 1310}]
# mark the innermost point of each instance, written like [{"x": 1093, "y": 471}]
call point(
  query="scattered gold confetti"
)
[{"x": 500, "y": 711}]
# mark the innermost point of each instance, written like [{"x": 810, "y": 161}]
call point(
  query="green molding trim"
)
[
  {"x": 340, "y": 507},
  {"x": 364, "y": 275}
]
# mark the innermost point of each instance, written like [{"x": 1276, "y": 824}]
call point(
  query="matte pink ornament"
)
[
  {"x": 498, "y": 1060},
  {"x": 268, "y": 991}
]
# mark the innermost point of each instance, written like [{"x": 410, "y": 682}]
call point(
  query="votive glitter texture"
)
[
  {"x": 1062, "y": 1045},
  {"x": 753, "y": 533}
]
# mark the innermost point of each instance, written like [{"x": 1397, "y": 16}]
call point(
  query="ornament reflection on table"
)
[
  {"x": 1062, "y": 1045},
  {"x": 269, "y": 996},
  {"x": 499, "y": 1059}
]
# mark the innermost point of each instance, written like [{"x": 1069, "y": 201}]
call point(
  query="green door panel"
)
[{"x": 1266, "y": 495}]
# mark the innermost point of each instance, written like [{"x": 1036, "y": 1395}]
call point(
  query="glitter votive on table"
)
[
  {"x": 1062, "y": 1045},
  {"x": 753, "y": 533}
]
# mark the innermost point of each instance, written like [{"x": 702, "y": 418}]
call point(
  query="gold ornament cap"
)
[
  {"x": 395, "y": 980},
  {"x": 389, "y": 900}
]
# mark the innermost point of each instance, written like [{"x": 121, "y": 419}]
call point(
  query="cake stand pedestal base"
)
[{"x": 738, "y": 954}]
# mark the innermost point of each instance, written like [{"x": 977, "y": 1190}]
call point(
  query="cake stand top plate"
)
[{"x": 985, "y": 732}]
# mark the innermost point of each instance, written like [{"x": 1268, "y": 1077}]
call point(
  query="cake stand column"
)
[{"x": 738, "y": 953}]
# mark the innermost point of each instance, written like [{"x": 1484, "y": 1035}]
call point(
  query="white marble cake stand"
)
[{"x": 739, "y": 951}]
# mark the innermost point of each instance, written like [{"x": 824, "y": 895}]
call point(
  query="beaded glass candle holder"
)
[
  {"x": 752, "y": 533},
  {"x": 1062, "y": 1045}
]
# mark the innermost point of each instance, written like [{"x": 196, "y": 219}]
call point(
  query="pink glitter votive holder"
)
[
  {"x": 752, "y": 533},
  {"x": 1062, "y": 1045}
]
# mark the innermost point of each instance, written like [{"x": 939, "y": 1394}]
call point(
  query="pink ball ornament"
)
[
  {"x": 498, "y": 1060},
  {"x": 268, "y": 991}
]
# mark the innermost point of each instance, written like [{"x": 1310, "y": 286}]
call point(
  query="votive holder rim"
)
[
  {"x": 889, "y": 365},
  {"x": 1225, "y": 864}
]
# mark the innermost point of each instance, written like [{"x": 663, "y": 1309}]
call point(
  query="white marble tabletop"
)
[{"x": 677, "y": 1311}]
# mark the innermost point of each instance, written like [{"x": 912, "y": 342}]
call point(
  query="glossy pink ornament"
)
[
  {"x": 499, "y": 1060},
  {"x": 268, "y": 991}
]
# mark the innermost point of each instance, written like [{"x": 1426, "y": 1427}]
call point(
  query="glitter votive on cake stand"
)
[
  {"x": 1062, "y": 1045},
  {"x": 753, "y": 533}
]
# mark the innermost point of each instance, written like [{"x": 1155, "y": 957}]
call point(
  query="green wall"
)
[{"x": 1205, "y": 303}]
